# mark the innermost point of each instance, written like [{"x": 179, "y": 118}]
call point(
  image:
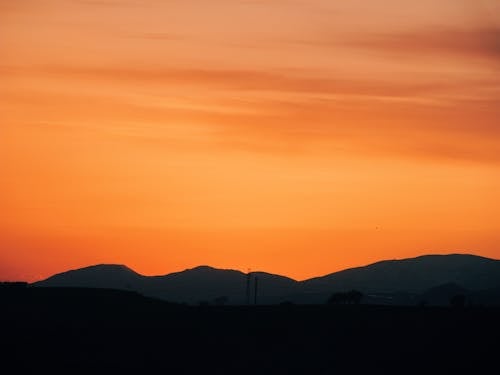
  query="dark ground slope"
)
[
  {"x": 95, "y": 331},
  {"x": 396, "y": 282}
]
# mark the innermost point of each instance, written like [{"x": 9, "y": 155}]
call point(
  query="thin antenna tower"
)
[
  {"x": 249, "y": 275},
  {"x": 256, "y": 282}
]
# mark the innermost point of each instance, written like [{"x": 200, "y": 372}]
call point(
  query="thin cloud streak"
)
[
  {"x": 296, "y": 82},
  {"x": 300, "y": 126},
  {"x": 267, "y": 111},
  {"x": 475, "y": 43}
]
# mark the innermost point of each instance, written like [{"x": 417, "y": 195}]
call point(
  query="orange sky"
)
[{"x": 298, "y": 137}]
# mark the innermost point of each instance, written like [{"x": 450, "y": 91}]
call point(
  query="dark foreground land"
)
[{"x": 47, "y": 330}]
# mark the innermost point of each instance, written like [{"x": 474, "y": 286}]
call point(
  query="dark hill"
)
[
  {"x": 206, "y": 284},
  {"x": 392, "y": 281},
  {"x": 113, "y": 276},
  {"x": 201, "y": 284},
  {"x": 413, "y": 275}
]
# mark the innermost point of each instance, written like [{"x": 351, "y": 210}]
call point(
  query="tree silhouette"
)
[
  {"x": 354, "y": 297},
  {"x": 221, "y": 301},
  {"x": 423, "y": 303},
  {"x": 457, "y": 301},
  {"x": 346, "y": 298},
  {"x": 336, "y": 298}
]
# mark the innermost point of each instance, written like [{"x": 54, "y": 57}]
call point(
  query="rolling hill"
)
[
  {"x": 196, "y": 285},
  {"x": 390, "y": 281},
  {"x": 408, "y": 276}
]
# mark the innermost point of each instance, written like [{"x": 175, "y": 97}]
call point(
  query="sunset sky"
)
[{"x": 298, "y": 137}]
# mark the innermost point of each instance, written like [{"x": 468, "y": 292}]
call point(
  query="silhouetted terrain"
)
[
  {"x": 393, "y": 282},
  {"x": 83, "y": 330},
  {"x": 191, "y": 286},
  {"x": 403, "y": 281}
]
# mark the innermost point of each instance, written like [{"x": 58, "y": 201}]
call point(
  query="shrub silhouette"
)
[
  {"x": 457, "y": 301},
  {"x": 352, "y": 297},
  {"x": 221, "y": 301},
  {"x": 423, "y": 303}
]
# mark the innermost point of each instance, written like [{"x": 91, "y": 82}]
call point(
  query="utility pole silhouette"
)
[
  {"x": 249, "y": 288},
  {"x": 256, "y": 282},
  {"x": 249, "y": 275}
]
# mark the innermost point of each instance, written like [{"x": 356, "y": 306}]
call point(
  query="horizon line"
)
[{"x": 258, "y": 271}]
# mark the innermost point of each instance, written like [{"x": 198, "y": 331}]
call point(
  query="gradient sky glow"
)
[{"x": 298, "y": 137}]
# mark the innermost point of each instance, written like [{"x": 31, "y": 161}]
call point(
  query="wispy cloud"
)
[
  {"x": 108, "y": 3},
  {"x": 264, "y": 111},
  {"x": 482, "y": 43},
  {"x": 305, "y": 82},
  {"x": 157, "y": 36}
]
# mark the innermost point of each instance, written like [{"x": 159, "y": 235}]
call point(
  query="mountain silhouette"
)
[
  {"x": 392, "y": 281},
  {"x": 412, "y": 275},
  {"x": 111, "y": 276},
  {"x": 206, "y": 284},
  {"x": 193, "y": 286},
  {"x": 199, "y": 284}
]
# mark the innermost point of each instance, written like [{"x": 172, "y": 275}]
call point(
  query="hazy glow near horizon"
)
[{"x": 295, "y": 137}]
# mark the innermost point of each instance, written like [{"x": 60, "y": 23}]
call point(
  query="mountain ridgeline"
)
[{"x": 431, "y": 279}]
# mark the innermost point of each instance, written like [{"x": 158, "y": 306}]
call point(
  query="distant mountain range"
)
[{"x": 428, "y": 279}]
